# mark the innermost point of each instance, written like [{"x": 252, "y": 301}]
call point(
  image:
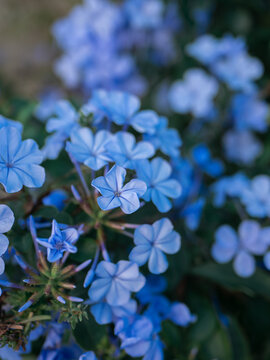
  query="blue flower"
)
[
  {"x": 115, "y": 282},
  {"x": 256, "y": 196},
  {"x": 180, "y": 314},
  {"x": 241, "y": 146},
  {"x": 249, "y": 113},
  {"x": 194, "y": 94},
  {"x": 19, "y": 161},
  {"x": 192, "y": 213},
  {"x": 114, "y": 194},
  {"x": 144, "y": 14},
  {"x": 156, "y": 174},
  {"x": 89, "y": 149},
  {"x": 202, "y": 157},
  {"x": 65, "y": 120},
  {"x": 4, "y": 122},
  {"x": 152, "y": 241},
  {"x": 56, "y": 198},
  {"x": 126, "y": 153},
  {"x": 249, "y": 241},
  {"x": 6, "y": 222},
  {"x": 88, "y": 356},
  {"x": 59, "y": 242},
  {"x": 167, "y": 140},
  {"x": 123, "y": 109}
]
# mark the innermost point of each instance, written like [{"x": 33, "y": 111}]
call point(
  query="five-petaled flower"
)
[
  {"x": 59, "y": 242},
  {"x": 115, "y": 282},
  {"x": 19, "y": 161},
  {"x": 152, "y": 241},
  {"x": 88, "y": 148},
  {"x": 114, "y": 194},
  {"x": 156, "y": 174}
]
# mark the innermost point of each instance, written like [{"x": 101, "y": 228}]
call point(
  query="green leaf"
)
[
  {"x": 238, "y": 340},
  {"x": 258, "y": 284},
  {"x": 89, "y": 334}
]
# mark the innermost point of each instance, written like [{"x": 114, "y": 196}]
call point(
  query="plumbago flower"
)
[
  {"x": 114, "y": 194},
  {"x": 6, "y": 223},
  {"x": 151, "y": 244},
  {"x": 156, "y": 174},
  {"x": 19, "y": 161},
  {"x": 59, "y": 242},
  {"x": 251, "y": 240}
]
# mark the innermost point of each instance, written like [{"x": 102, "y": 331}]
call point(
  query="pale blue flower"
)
[
  {"x": 59, "y": 242},
  {"x": 123, "y": 109},
  {"x": 144, "y": 14},
  {"x": 152, "y": 243},
  {"x": 167, "y": 140},
  {"x": 115, "y": 282},
  {"x": 240, "y": 247},
  {"x": 114, "y": 194},
  {"x": 65, "y": 119},
  {"x": 241, "y": 147},
  {"x": 157, "y": 176},
  {"x": 180, "y": 314},
  {"x": 195, "y": 93},
  {"x": 88, "y": 356},
  {"x": 19, "y": 161},
  {"x": 5, "y": 122},
  {"x": 125, "y": 152},
  {"x": 90, "y": 149}
]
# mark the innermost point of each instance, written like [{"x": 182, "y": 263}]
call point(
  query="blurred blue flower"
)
[
  {"x": 249, "y": 113},
  {"x": 114, "y": 194},
  {"x": 202, "y": 157},
  {"x": 256, "y": 196},
  {"x": 89, "y": 149},
  {"x": 88, "y": 356},
  {"x": 125, "y": 152},
  {"x": 144, "y": 14},
  {"x": 192, "y": 213},
  {"x": 156, "y": 174},
  {"x": 4, "y": 122},
  {"x": 59, "y": 242},
  {"x": 152, "y": 241},
  {"x": 195, "y": 93},
  {"x": 180, "y": 314},
  {"x": 46, "y": 106},
  {"x": 56, "y": 198},
  {"x": 19, "y": 161},
  {"x": 167, "y": 140},
  {"x": 241, "y": 147},
  {"x": 123, "y": 109},
  {"x": 249, "y": 241},
  {"x": 115, "y": 282}
]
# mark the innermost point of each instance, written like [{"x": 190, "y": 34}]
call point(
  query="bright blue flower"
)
[
  {"x": 249, "y": 113},
  {"x": 123, "y": 109},
  {"x": 4, "y": 122},
  {"x": 126, "y": 153},
  {"x": 115, "y": 282},
  {"x": 241, "y": 247},
  {"x": 256, "y": 196},
  {"x": 65, "y": 120},
  {"x": 6, "y": 222},
  {"x": 241, "y": 147},
  {"x": 89, "y": 149},
  {"x": 19, "y": 161},
  {"x": 56, "y": 198},
  {"x": 167, "y": 140},
  {"x": 152, "y": 241},
  {"x": 59, "y": 242},
  {"x": 192, "y": 213},
  {"x": 88, "y": 356},
  {"x": 156, "y": 174},
  {"x": 53, "y": 145},
  {"x": 105, "y": 313},
  {"x": 202, "y": 157},
  {"x": 194, "y": 94},
  {"x": 114, "y": 194},
  {"x": 180, "y": 314}
]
